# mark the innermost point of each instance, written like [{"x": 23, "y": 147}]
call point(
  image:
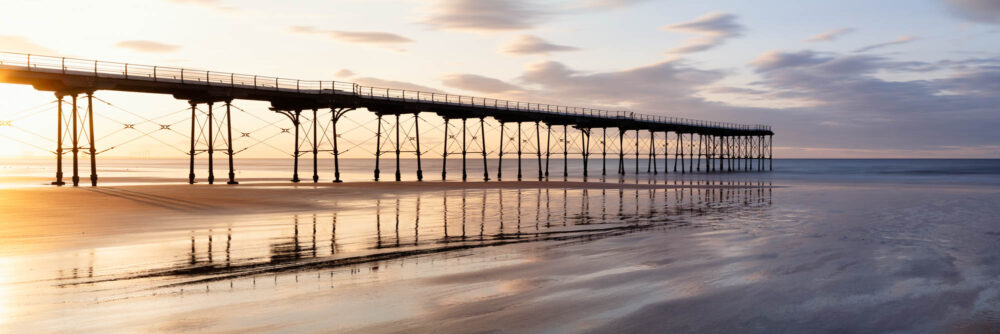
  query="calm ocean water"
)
[{"x": 945, "y": 171}]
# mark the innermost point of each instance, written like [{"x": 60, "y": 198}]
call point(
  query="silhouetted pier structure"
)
[{"x": 725, "y": 147}]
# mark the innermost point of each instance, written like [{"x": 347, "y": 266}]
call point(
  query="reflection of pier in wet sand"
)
[{"x": 419, "y": 224}]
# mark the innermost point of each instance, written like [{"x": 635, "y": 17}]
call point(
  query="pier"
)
[{"x": 526, "y": 128}]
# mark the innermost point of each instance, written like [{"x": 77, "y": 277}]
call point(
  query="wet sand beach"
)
[{"x": 752, "y": 255}]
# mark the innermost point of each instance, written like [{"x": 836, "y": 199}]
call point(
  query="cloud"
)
[
  {"x": 381, "y": 83},
  {"x": 830, "y": 36},
  {"x": 21, "y": 44},
  {"x": 777, "y": 60},
  {"x": 385, "y": 39},
  {"x": 483, "y": 15},
  {"x": 528, "y": 44},
  {"x": 897, "y": 41},
  {"x": 855, "y": 107},
  {"x": 711, "y": 29},
  {"x": 506, "y": 15},
  {"x": 983, "y": 11},
  {"x": 147, "y": 46},
  {"x": 214, "y": 4},
  {"x": 344, "y": 73},
  {"x": 478, "y": 83},
  {"x": 355, "y": 36},
  {"x": 645, "y": 89},
  {"x": 606, "y": 4}
]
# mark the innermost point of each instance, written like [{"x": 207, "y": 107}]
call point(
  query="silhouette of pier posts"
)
[
  {"x": 586, "y": 150},
  {"x": 444, "y": 151},
  {"x": 378, "y": 146},
  {"x": 295, "y": 116},
  {"x": 336, "y": 114},
  {"x": 399, "y": 176},
  {"x": 209, "y": 125},
  {"x": 229, "y": 142},
  {"x": 482, "y": 133},
  {"x": 465, "y": 150},
  {"x": 59, "y": 140},
  {"x": 500, "y": 152},
  {"x": 76, "y": 128},
  {"x": 397, "y": 113},
  {"x": 538, "y": 150},
  {"x": 652, "y": 154},
  {"x": 770, "y": 154},
  {"x": 519, "y": 151},
  {"x": 604, "y": 151},
  {"x": 621, "y": 151},
  {"x": 637, "y": 152}
]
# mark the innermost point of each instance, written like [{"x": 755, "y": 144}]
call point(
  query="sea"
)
[{"x": 146, "y": 171}]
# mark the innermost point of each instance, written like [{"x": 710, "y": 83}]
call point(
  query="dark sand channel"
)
[{"x": 509, "y": 257}]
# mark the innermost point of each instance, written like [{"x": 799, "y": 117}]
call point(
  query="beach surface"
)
[{"x": 702, "y": 256}]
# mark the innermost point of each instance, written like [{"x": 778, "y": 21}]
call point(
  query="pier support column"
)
[
  {"x": 191, "y": 153},
  {"x": 701, "y": 149},
  {"x": 604, "y": 151},
  {"x": 465, "y": 151},
  {"x": 740, "y": 153},
  {"x": 444, "y": 153},
  {"x": 677, "y": 150},
  {"x": 211, "y": 145},
  {"x": 666, "y": 152},
  {"x": 586, "y": 151},
  {"x": 652, "y": 153},
  {"x": 295, "y": 173},
  {"x": 710, "y": 160},
  {"x": 708, "y": 153},
  {"x": 770, "y": 155},
  {"x": 336, "y": 148},
  {"x": 76, "y": 145},
  {"x": 726, "y": 155},
  {"x": 500, "y": 153},
  {"x": 636, "y": 151},
  {"x": 315, "y": 145},
  {"x": 229, "y": 143},
  {"x": 722, "y": 154},
  {"x": 482, "y": 133},
  {"x": 378, "y": 146},
  {"x": 621, "y": 151},
  {"x": 93, "y": 147},
  {"x": 399, "y": 176},
  {"x": 519, "y": 151},
  {"x": 691, "y": 154},
  {"x": 760, "y": 159},
  {"x": 745, "y": 153},
  {"x": 732, "y": 152},
  {"x": 681, "y": 144},
  {"x": 565, "y": 152},
  {"x": 736, "y": 153},
  {"x": 748, "y": 155},
  {"x": 548, "y": 147},
  {"x": 538, "y": 149},
  {"x": 59, "y": 142},
  {"x": 416, "y": 128}
]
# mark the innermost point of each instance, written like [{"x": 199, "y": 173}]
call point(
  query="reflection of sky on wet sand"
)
[
  {"x": 231, "y": 250},
  {"x": 755, "y": 259}
]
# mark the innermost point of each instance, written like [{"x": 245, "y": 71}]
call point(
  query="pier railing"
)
[{"x": 118, "y": 70}]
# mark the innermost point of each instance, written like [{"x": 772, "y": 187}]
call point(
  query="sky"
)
[{"x": 835, "y": 79}]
